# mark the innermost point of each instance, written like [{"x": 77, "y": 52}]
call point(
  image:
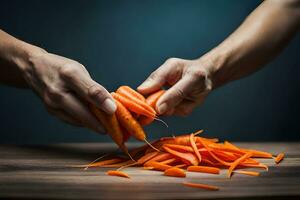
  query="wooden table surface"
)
[{"x": 43, "y": 172}]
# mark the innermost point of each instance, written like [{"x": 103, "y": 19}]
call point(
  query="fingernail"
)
[
  {"x": 162, "y": 108},
  {"x": 109, "y": 106},
  {"x": 144, "y": 85}
]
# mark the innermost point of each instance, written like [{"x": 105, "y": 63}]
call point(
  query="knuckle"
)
[
  {"x": 173, "y": 61},
  {"x": 53, "y": 94},
  {"x": 69, "y": 70},
  {"x": 180, "y": 93},
  {"x": 97, "y": 92}
]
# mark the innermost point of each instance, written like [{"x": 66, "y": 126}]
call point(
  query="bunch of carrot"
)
[
  {"x": 192, "y": 153},
  {"x": 133, "y": 112}
]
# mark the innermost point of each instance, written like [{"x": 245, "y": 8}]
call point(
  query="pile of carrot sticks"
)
[
  {"x": 176, "y": 155},
  {"x": 172, "y": 155}
]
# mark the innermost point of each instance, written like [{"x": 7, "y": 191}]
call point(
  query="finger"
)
[
  {"x": 173, "y": 96},
  {"x": 170, "y": 72},
  {"x": 87, "y": 88},
  {"x": 74, "y": 107}
]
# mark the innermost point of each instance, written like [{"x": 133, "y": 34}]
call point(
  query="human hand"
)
[
  {"x": 66, "y": 88},
  {"x": 190, "y": 81}
]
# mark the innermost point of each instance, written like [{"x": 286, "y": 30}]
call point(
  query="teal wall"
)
[{"x": 121, "y": 42}]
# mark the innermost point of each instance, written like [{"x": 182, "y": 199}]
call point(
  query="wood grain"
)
[{"x": 44, "y": 172}]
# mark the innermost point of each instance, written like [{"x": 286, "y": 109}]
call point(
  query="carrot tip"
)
[
  {"x": 162, "y": 121},
  {"x": 151, "y": 145}
]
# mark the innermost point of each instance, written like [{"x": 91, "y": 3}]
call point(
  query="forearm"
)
[
  {"x": 265, "y": 32},
  {"x": 14, "y": 58}
]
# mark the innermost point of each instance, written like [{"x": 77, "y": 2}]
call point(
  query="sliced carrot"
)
[
  {"x": 169, "y": 161},
  {"x": 162, "y": 156},
  {"x": 187, "y": 157},
  {"x": 147, "y": 157},
  {"x": 194, "y": 146},
  {"x": 237, "y": 162},
  {"x": 174, "y": 171},
  {"x": 178, "y": 147},
  {"x": 279, "y": 158},
  {"x": 117, "y": 173},
  {"x": 204, "y": 169},
  {"x": 250, "y": 173},
  {"x": 200, "y": 185},
  {"x": 157, "y": 165}
]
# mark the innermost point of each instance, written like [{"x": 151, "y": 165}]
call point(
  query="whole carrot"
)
[
  {"x": 111, "y": 125},
  {"x": 134, "y": 96},
  {"x": 132, "y": 106},
  {"x": 129, "y": 123}
]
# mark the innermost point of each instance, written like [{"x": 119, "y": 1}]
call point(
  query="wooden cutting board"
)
[{"x": 43, "y": 172}]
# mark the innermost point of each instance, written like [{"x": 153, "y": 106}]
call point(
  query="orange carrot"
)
[
  {"x": 162, "y": 156},
  {"x": 128, "y": 122},
  {"x": 174, "y": 171},
  {"x": 144, "y": 120},
  {"x": 131, "y": 91},
  {"x": 204, "y": 169},
  {"x": 147, "y": 157},
  {"x": 157, "y": 165},
  {"x": 117, "y": 173},
  {"x": 111, "y": 125},
  {"x": 194, "y": 146},
  {"x": 132, "y": 95},
  {"x": 132, "y": 106},
  {"x": 187, "y": 157},
  {"x": 250, "y": 173},
  {"x": 153, "y": 98},
  {"x": 237, "y": 162},
  {"x": 178, "y": 147},
  {"x": 279, "y": 158},
  {"x": 169, "y": 161},
  {"x": 200, "y": 185}
]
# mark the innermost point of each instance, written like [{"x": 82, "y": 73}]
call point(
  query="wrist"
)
[{"x": 215, "y": 62}]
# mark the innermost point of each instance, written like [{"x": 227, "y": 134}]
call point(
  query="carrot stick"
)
[
  {"x": 157, "y": 165},
  {"x": 132, "y": 106},
  {"x": 204, "y": 169},
  {"x": 162, "y": 156},
  {"x": 200, "y": 185},
  {"x": 279, "y": 158},
  {"x": 187, "y": 157},
  {"x": 128, "y": 122},
  {"x": 237, "y": 162},
  {"x": 169, "y": 161},
  {"x": 111, "y": 125},
  {"x": 117, "y": 173},
  {"x": 194, "y": 146},
  {"x": 174, "y": 171},
  {"x": 178, "y": 147},
  {"x": 250, "y": 173},
  {"x": 147, "y": 157}
]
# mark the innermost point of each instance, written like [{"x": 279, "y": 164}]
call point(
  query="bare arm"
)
[
  {"x": 265, "y": 32},
  {"x": 64, "y": 85}
]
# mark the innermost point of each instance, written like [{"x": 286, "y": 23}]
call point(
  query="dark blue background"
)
[{"x": 121, "y": 42}]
